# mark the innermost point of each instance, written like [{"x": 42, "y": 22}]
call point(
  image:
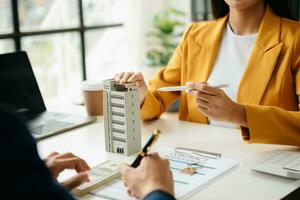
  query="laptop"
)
[{"x": 20, "y": 94}]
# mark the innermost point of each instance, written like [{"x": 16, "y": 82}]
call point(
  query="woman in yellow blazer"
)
[{"x": 267, "y": 107}]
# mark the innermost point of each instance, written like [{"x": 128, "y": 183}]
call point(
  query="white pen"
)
[{"x": 182, "y": 88}]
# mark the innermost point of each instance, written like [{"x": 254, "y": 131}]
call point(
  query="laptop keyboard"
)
[{"x": 50, "y": 126}]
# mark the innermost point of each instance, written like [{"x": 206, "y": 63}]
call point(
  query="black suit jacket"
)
[{"x": 23, "y": 174}]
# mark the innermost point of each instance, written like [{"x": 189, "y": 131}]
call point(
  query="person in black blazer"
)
[{"x": 24, "y": 175}]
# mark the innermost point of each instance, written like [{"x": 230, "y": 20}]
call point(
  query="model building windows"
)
[
  {"x": 120, "y": 150},
  {"x": 131, "y": 127}
]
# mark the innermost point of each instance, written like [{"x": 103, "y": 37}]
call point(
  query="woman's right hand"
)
[{"x": 137, "y": 79}]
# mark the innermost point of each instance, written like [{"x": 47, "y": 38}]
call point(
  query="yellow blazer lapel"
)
[
  {"x": 262, "y": 61},
  {"x": 203, "y": 58},
  {"x": 203, "y": 50}
]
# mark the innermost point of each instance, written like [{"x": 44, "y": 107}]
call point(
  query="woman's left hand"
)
[{"x": 215, "y": 104}]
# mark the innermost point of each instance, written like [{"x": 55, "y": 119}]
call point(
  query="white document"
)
[{"x": 207, "y": 169}]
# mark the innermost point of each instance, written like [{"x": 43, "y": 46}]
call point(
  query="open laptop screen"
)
[{"x": 18, "y": 87}]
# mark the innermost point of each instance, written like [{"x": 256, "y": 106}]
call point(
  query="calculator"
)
[
  {"x": 281, "y": 163},
  {"x": 99, "y": 175}
]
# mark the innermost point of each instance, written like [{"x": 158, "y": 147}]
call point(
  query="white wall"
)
[
  {"x": 139, "y": 23},
  {"x": 130, "y": 44},
  {"x": 141, "y": 13},
  {"x": 184, "y": 5}
]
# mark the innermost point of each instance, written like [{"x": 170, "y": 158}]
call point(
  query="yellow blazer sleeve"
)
[
  {"x": 296, "y": 60},
  {"x": 274, "y": 125},
  {"x": 155, "y": 102}
]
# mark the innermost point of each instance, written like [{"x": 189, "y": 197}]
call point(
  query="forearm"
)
[
  {"x": 156, "y": 103},
  {"x": 151, "y": 107}
]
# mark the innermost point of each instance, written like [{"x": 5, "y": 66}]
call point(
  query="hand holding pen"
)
[
  {"x": 152, "y": 174},
  {"x": 146, "y": 149},
  {"x": 214, "y": 103}
]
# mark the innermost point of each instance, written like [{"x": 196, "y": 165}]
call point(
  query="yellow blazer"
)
[{"x": 269, "y": 87}]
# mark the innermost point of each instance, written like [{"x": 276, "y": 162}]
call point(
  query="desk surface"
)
[{"x": 240, "y": 183}]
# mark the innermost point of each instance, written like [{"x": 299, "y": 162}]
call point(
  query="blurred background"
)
[{"x": 73, "y": 40}]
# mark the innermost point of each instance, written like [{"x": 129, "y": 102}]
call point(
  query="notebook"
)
[{"x": 192, "y": 171}]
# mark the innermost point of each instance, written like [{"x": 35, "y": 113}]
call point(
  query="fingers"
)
[
  {"x": 203, "y": 96},
  {"x": 70, "y": 156},
  {"x": 119, "y": 76},
  {"x": 125, "y": 169},
  {"x": 59, "y": 162},
  {"x": 126, "y": 173},
  {"x": 52, "y": 155},
  {"x": 202, "y": 87},
  {"x": 132, "y": 78},
  {"x": 153, "y": 155},
  {"x": 125, "y": 77},
  {"x": 202, "y": 103},
  {"x": 152, "y": 174},
  {"x": 75, "y": 181},
  {"x": 130, "y": 193},
  {"x": 193, "y": 85},
  {"x": 128, "y": 77},
  {"x": 147, "y": 159},
  {"x": 155, "y": 158},
  {"x": 71, "y": 163},
  {"x": 156, "y": 155},
  {"x": 204, "y": 110},
  {"x": 136, "y": 77}
]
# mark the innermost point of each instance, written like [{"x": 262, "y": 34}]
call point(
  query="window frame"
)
[{"x": 17, "y": 35}]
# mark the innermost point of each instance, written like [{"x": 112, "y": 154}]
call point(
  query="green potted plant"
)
[{"x": 167, "y": 30}]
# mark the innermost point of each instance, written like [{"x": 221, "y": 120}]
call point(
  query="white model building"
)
[{"x": 121, "y": 118}]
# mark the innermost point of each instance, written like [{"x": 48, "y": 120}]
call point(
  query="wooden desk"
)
[{"x": 240, "y": 183}]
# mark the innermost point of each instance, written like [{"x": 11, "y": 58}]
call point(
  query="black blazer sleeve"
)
[
  {"x": 23, "y": 174},
  {"x": 159, "y": 195}
]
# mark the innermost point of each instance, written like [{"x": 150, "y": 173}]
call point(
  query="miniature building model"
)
[{"x": 121, "y": 118}]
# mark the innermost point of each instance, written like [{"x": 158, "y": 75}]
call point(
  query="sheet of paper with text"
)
[{"x": 191, "y": 170}]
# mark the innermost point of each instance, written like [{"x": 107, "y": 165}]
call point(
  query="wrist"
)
[
  {"x": 143, "y": 96},
  {"x": 240, "y": 117},
  {"x": 153, "y": 188}
]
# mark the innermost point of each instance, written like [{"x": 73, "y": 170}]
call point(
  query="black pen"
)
[{"x": 146, "y": 148}]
